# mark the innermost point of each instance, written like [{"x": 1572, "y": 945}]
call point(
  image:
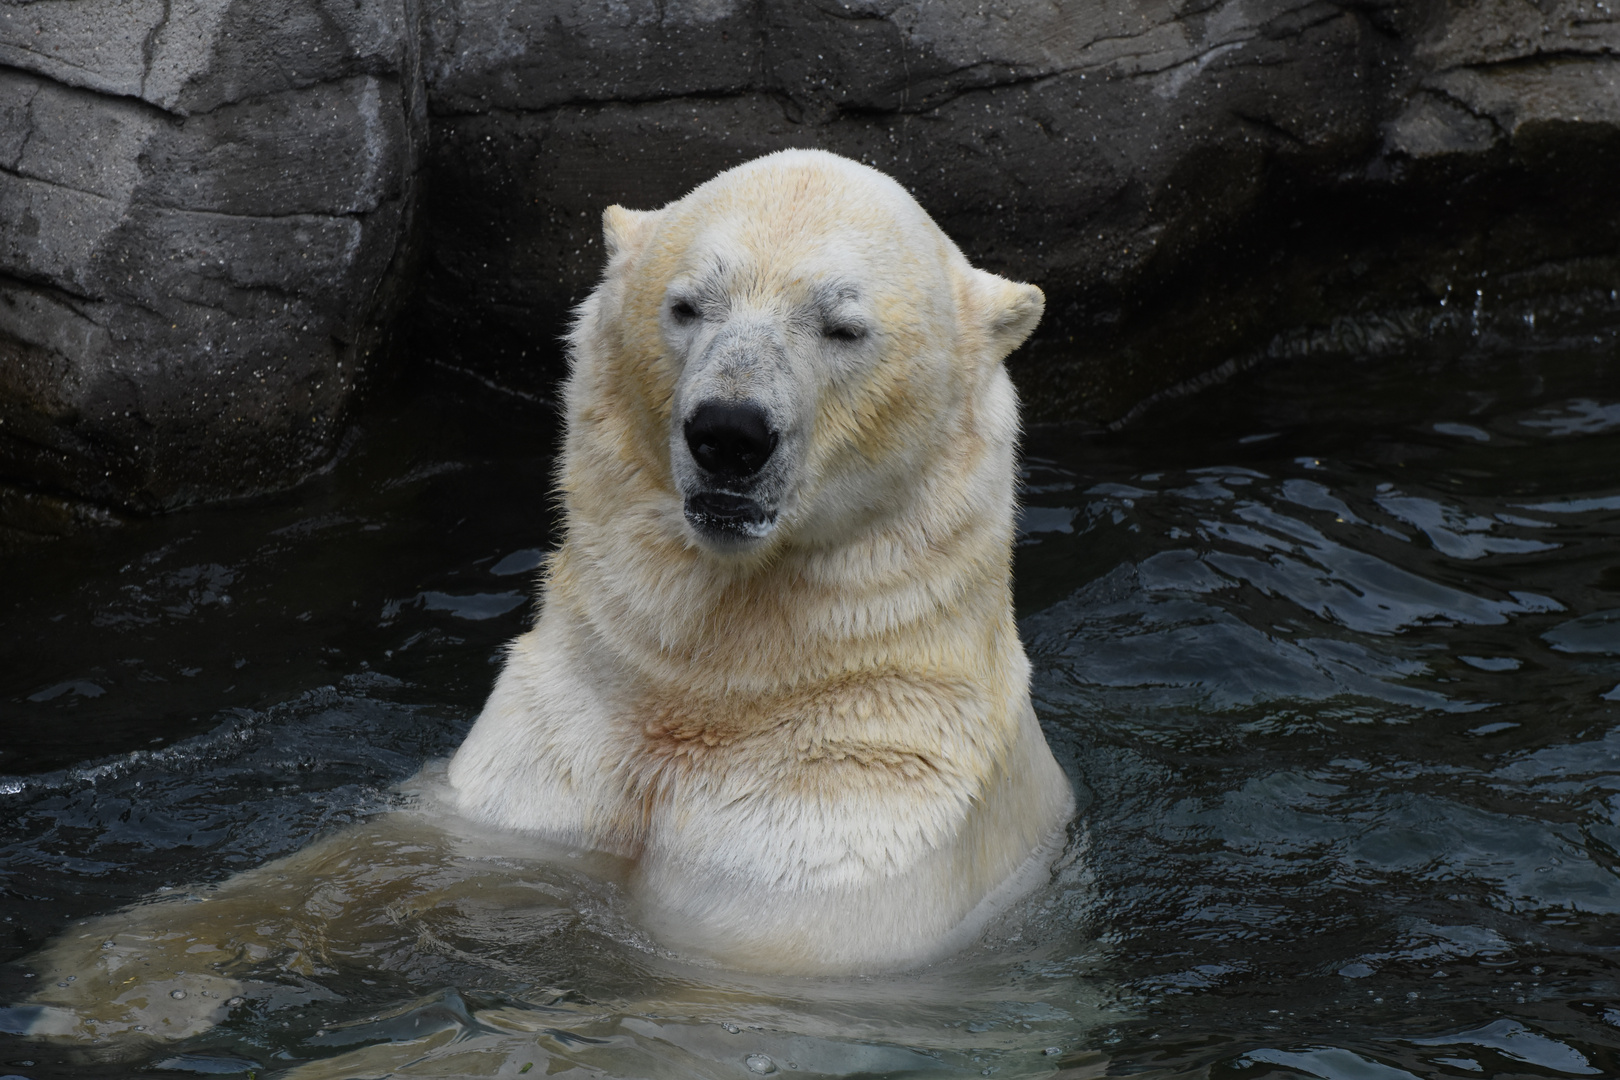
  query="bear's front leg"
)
[{"x": 546, "y": 754}]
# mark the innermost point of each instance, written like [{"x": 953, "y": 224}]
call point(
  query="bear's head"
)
[{"x": 781, "y": 356}]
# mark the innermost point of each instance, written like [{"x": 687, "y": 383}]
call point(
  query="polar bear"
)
[
  {"x": 776, "y": 665},
  {"x": 775, "y": 690}
]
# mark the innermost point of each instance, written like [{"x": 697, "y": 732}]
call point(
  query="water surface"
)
[{"x": 1333, "y": 652}]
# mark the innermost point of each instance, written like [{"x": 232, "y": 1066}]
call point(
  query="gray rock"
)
[{"x": 204, "y": 221}]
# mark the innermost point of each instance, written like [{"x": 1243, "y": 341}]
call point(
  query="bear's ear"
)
[
  {"x": 624, "y": 230},
  {"x": 1008, "y": 311}
]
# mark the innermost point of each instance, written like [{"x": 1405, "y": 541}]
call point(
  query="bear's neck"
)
[{"x": 926, "y": 591}]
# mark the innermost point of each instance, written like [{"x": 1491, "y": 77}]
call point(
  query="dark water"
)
[{"x": 1333, "y": 651}]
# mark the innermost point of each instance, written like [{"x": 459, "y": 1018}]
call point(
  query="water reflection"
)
[{"x": 1334, "y": 654}]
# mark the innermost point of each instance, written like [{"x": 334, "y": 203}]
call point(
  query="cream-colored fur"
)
[{"x": 814, "y": 740}]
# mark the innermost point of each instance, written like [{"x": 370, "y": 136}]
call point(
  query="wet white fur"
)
[{"x": 820, "y": 750}]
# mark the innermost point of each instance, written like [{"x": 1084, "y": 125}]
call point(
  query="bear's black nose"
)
[{"x": 730, "y": 441}]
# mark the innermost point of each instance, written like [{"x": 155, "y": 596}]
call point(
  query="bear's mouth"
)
[{"x": 724, "y": 516}]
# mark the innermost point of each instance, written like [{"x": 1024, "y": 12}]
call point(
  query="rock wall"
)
[
  {"x": 200, "y": 202},
  {"x": 209, "y": 209},
  {"x": 1190, "y": 182}
]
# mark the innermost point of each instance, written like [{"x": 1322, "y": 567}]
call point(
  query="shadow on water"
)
[{"x": 1334, "y": 651}]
